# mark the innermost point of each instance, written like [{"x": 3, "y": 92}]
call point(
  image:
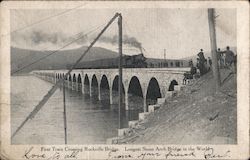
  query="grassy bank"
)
[{"x": 197, "y": 115}]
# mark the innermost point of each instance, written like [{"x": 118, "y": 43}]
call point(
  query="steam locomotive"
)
[{"x": 134, "y": 61}]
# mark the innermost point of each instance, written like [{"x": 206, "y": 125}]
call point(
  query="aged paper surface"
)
[{"x": 167, "y": 111}]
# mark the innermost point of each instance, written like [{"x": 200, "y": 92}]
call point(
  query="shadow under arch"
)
[
  {"x": 74, "y": 82},
  {"x": 104, "y": 89},
  {"x": 153, "y": 92},
  {"x": 86, "y": 84},
  {"x": 79, "y": 83},
  {"x": 135, "y": 94},
  {"x": 94, "y": 87},
  {"x": 115, "y": 94},
  {"x": 172, "y": 84}
]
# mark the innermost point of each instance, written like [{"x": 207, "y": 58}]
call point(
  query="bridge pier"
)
[
  {"x": 144, "y": 96},
  {"x": 126, "y": 100},
  {"x": 99, "y": 92},
  {"x": 110, "y": 96},
  {"x": 55, "y": 79},
  {"x": 144, "y": 104},
  {"x": 90, "y": 89}
]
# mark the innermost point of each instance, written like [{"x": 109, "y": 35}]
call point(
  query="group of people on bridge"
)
[{"x": 226, "y": 59}]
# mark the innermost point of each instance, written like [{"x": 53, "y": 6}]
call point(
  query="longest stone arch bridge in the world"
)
[{"x": 148, "y": 83}]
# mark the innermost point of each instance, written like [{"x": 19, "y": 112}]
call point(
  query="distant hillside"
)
[{"x": 60, "y": 60}]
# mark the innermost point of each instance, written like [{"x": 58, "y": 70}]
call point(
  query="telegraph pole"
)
[
  {"x": 64, "y": 112},
  {"x": 120, "y": 67},
  {"x": 212, "y": 33}
]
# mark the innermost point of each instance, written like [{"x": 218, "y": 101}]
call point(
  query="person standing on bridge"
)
[
  {"x": 230, "y": 59},
  {"x": 229, "y": 56},
  {"x": 202, "y": 60},
  {"x": 220, "y": 58}
]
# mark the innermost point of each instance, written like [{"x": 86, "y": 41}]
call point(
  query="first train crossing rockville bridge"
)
[{"x": 151, "y": 83}]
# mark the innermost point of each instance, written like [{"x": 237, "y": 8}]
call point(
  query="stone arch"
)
[
  {"x": 115, "y": 94},
  {"x": 172, "y": 84},
  {"x": 86, "y": 84},
  {"x": 94, "y": 86},
  {"x": 135, "y": 94},
  {"x": 153, "y": 91},
  {"x": 104, "y": 88}
]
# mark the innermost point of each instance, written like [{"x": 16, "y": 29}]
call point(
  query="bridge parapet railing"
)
[{"x": 128, "y": 70}]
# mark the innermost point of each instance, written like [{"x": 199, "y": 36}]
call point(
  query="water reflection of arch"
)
[
  {"x": 66, "y": 77},
  {"x": 94, "y": 86},
  {"x": 135, "y": 94},
  {"x": 153, "y": 92},
  {"x": 114, "y": 93}
]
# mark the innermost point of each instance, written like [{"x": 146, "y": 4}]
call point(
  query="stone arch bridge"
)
[{"x": 147, "y": 83}]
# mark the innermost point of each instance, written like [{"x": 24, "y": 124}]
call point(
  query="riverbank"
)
[{"x": 196, "y": 115}]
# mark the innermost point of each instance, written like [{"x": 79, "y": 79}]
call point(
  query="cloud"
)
[{"x": 37, "y": 38}]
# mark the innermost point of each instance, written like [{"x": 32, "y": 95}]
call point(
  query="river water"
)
[{"x": 89, "y": 121}]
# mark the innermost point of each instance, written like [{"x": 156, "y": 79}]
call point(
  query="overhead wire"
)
[{"x": 43, "y": 20}]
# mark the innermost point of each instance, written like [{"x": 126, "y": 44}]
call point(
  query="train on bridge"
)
[{"x": 134, "y": 61}]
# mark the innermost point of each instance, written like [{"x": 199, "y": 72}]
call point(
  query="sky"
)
[{"x": 182, "y": 32}]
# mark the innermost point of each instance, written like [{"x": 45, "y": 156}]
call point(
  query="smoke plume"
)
[
  {"x": 39, "y": 39},
  {"x": 131, "y": 41}
]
